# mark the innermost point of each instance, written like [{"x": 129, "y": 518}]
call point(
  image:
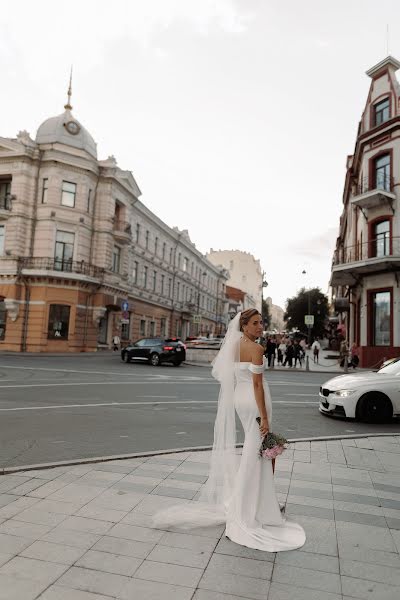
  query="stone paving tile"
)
[
  {"x": 139, "y": 534},
  {"x": 6, "y": 499},
  {"x": 396, "y": 538},
  {"x": 189, "y": 541},
  {"x": 118, "y": 499},
  {"x": 140, "y": 589},
  {"x": 151, "y": 504},
  {"x": 321, "y": 535},
  {"x": 49, "y": 552},
  {"x": 310, "y": 477},
  {"x": 109, "y": 563},
  {"x": 79, "y": 539},
  {"x": 228, "y": 583},
  {"x": 92, "y": 511},
  {"x": 94, "y": 581},
  {"x": 23, "y": 529},
  {"x": 370, "y": 572},
  {"x": 173, "y": 492},
  {"x": 57, "y": 506},
  {"x": 27, "y": 486},
  {"x": 223, "y": 563},
  {"x": 32, "y": 569},
  {"x": 282, "y": 591},
  {"x": 225, "y": 546},
  {"x": 393, "y": 523},
  {"x": 307, "y": 578},
  {"x": 4, "y": 558},
  {"x": 387, "y": 488},
  {"x": 40, "y": 517},
  {"x": 187, "y": 477},
  {"x": 56, "y": 592},
  {"x": 209, "y": 595},
  {"x": 11, "y": 481},
  {"x": 351, "y": 474},
  {"x": 12, "y": 588},
  {"x": 308, "y": 560},
  {"x": 368, "y": 536},
  {"x": 123, "y": 547},
  {"x": 351, "y": 517},
  {"x": 86, "y": 524},
  {"x": 12, "y": 544},
  {"x": 304, "y": 509},
  {"x": 357, "y": 499},
  {"x": 367, "y": 555},
  {"x": 369, "y": 590},
  {"x": 180, "y": 556},
  {"x": 169, "y": 573}
]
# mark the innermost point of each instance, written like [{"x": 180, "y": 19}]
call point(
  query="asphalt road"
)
[{"x": 61, "y": 408}]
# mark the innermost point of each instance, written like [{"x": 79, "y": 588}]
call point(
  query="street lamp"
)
[
  {"x": 203, "y": 274},
  {"x": 304, "y": 272},
  {"x": 263, "y": 285}
]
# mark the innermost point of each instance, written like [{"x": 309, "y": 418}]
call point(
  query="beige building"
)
[
  {"x": 83, "y": 259},
  {"x": 244, "y": 273},
  {"x": 277, "y": 322},
  {"x": 366, "y": 262}
]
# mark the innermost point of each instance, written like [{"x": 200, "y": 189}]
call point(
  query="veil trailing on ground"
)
[{"x": 211, "y": 507}]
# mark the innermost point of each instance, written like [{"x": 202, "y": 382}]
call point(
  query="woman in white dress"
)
[{"x": 240, "y": 491}]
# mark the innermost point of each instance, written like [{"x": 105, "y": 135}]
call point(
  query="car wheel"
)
[
  {"x": 155, "y": 359},
  {"x": 126, "y": 358},
  {"x": 374, "y": 408}
]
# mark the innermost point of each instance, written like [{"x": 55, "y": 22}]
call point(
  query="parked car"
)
[
  {"x": 155, "y": 351},
  {"x": 368, "y": 396}
]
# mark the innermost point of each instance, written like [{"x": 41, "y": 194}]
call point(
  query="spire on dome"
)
[{"x": 69, "y": 93}]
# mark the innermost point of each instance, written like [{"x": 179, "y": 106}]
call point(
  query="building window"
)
[
  {"x": 179, "y": 260},
  {"x": 162, "y": 285},
  {"x": 191, "y": 269},
  {"x": 382, "y": 111},
  {"x": 89, "y": 201},
  {"x": 116, "y": 259},
  {"x": 147, "y": 239},
  {"x": 5, "y": 191},
  {"x": 142, "y": 327},
  {"x": 145, "y": 271},
  {"x": 137, "y": 232},
  {"x": 178, "y": 291},
  {"x": 58, "y": 321},
  {"x": 152, "y": 329},
  {"x": 68, "y": 194},
  {"x": 156, "y": 246},
  {"x": 154, "y": 282},
  {"x": 171, "y": 250},
  {"x": 125, "y": 329},
  {"x": 186, "y": 264},
  {"x": 135, "y": 271},
  {"x": 164, "y": 246},
  {"x": 163, "y": 326},
  {"x": 169, "y": 287},
  {"x": 382, "y": 173},
  {"x": 382, "y": 239},
  {"x": 3, "y": 319},
  {"x": 2, "y": 235},
  {"x": 381, "y": 318},
  {"x": 64, "y": 251},
  {"x": 45, "y": 187}
]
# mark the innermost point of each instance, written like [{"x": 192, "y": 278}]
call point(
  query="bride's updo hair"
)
[{"x": 247, "y": 315}]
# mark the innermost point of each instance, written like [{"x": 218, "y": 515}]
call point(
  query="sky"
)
[{"x": 234, "y": 116}]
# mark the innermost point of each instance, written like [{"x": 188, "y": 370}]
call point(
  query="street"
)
[{"x": 57, "y": 408}]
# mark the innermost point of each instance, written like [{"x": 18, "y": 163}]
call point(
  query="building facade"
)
[
  {"x": 366, "y": 263},
  {"x": 244, "y": 273},
  {"x": 83, "y": 259}
]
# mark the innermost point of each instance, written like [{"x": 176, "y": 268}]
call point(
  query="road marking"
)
[
  {"x": 308, "y": 395},
  {"x": 31, "y": 385},
  {"x": 155, "y": 406}
]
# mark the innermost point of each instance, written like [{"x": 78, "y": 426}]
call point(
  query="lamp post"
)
[
  {"x": 203, "y": 274},
  {"x": 304, "y": 272},
  {"x": 263, "y": 285}
]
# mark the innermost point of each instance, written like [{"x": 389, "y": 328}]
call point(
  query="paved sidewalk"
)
[{"x": 85, "y": 533}]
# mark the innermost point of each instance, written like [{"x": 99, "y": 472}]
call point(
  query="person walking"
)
[
  {"x": 298, "y": 354},
  {"x": 281, "y": 352},
  {"x": 316, "y": 347},
  {"x": 116, "y": 342},
  {"x": 344, "y": 352},
  {"x": 289, "y": 355},
  {"x": 354, "y": 355},
  {"x": 271, "y": 349}
]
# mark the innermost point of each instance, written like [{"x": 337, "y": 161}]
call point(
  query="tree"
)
[
  {"x": 297, "y": 307},
  {"x": 266, "y": 313}
]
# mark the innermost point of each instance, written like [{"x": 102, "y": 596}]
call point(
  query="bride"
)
[{"x": 240, "y": 490}]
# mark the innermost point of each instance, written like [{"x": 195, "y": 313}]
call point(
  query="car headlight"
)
[{"x": 344, "y": 393}]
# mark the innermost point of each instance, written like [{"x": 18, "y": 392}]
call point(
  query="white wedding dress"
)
[{"x": 253, "y": 516}]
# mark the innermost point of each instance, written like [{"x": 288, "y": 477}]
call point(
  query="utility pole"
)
[
  {"x": 263, "y": 285},
  {"x": 304, "y": 272}
]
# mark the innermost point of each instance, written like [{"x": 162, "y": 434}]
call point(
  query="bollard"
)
[{"x": 307, "y": 363}]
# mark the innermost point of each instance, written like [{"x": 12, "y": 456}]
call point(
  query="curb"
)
[
  {"x": 97, "y": 459},
  {"x": 283, "y": 370}
]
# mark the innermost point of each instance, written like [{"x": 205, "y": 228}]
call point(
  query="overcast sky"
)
[{"x": 235, "y": 116}]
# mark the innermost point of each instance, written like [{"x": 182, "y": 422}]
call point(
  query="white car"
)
[{"x": 368, "y": 396}]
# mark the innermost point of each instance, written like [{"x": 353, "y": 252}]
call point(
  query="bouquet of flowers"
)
[{"x": 272, "y": 444}]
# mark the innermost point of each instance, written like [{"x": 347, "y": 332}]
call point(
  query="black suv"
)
[{"x": 155, "y": 351}]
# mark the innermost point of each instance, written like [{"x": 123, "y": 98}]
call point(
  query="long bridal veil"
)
[{"x": 211, "y": 507}]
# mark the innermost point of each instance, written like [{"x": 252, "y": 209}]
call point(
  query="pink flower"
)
[{"x": 273, "y": 452}]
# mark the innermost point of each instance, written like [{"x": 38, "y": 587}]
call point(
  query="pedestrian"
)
[
  {"x": 316, "y": 347},
  {"x": 298, "y": 353},
  {"x": 344, "y": 352},
  {"x": 271, "y": 349},
  {"x": 289, "y": 354},
  {"x": 116, "y": 342},
  {"x": 303, "y": 346},
  {"x": 354, "y": 355},
  {"x": 281, "y": 352}
]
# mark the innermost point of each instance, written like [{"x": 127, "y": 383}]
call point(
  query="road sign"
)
[
  {"x": 309, "y": 319},
  {"x": 125, "y": 306},
  {"x": 196, "y": 318}
]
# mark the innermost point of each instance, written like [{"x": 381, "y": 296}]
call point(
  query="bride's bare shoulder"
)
[{"x": 257, "y": 350}]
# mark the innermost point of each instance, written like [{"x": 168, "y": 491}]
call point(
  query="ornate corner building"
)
[
  {"x": 83, "y": 259},
  {"x": 366, "y": 263}
]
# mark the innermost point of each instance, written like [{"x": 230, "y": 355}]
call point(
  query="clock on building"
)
[{"x": 72, "y": 127}]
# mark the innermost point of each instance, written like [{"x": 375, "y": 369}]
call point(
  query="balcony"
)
[
  {"x": 370, "y": 193},
  {"x": 378, "y": 255},
  {"x": 122, "y": 231},
  {"x": 5, "y": 207},
  {"x": 77, "y": 268}
]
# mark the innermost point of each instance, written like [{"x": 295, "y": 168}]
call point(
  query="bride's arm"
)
[{"x": 257, "y": 359}]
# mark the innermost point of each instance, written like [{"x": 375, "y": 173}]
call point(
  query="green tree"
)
[
  {"x": 266, "y": 314},
  {"x": 298, "y": 306}
]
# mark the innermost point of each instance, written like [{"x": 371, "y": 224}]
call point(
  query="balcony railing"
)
[
  {"x": 122, "y": 227},
  {"x": 54, "y": 264},
  {"x": 381, "y": 247},
  {"x": 381, "y": 182},
  {"x": 5, "y": 203}
]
